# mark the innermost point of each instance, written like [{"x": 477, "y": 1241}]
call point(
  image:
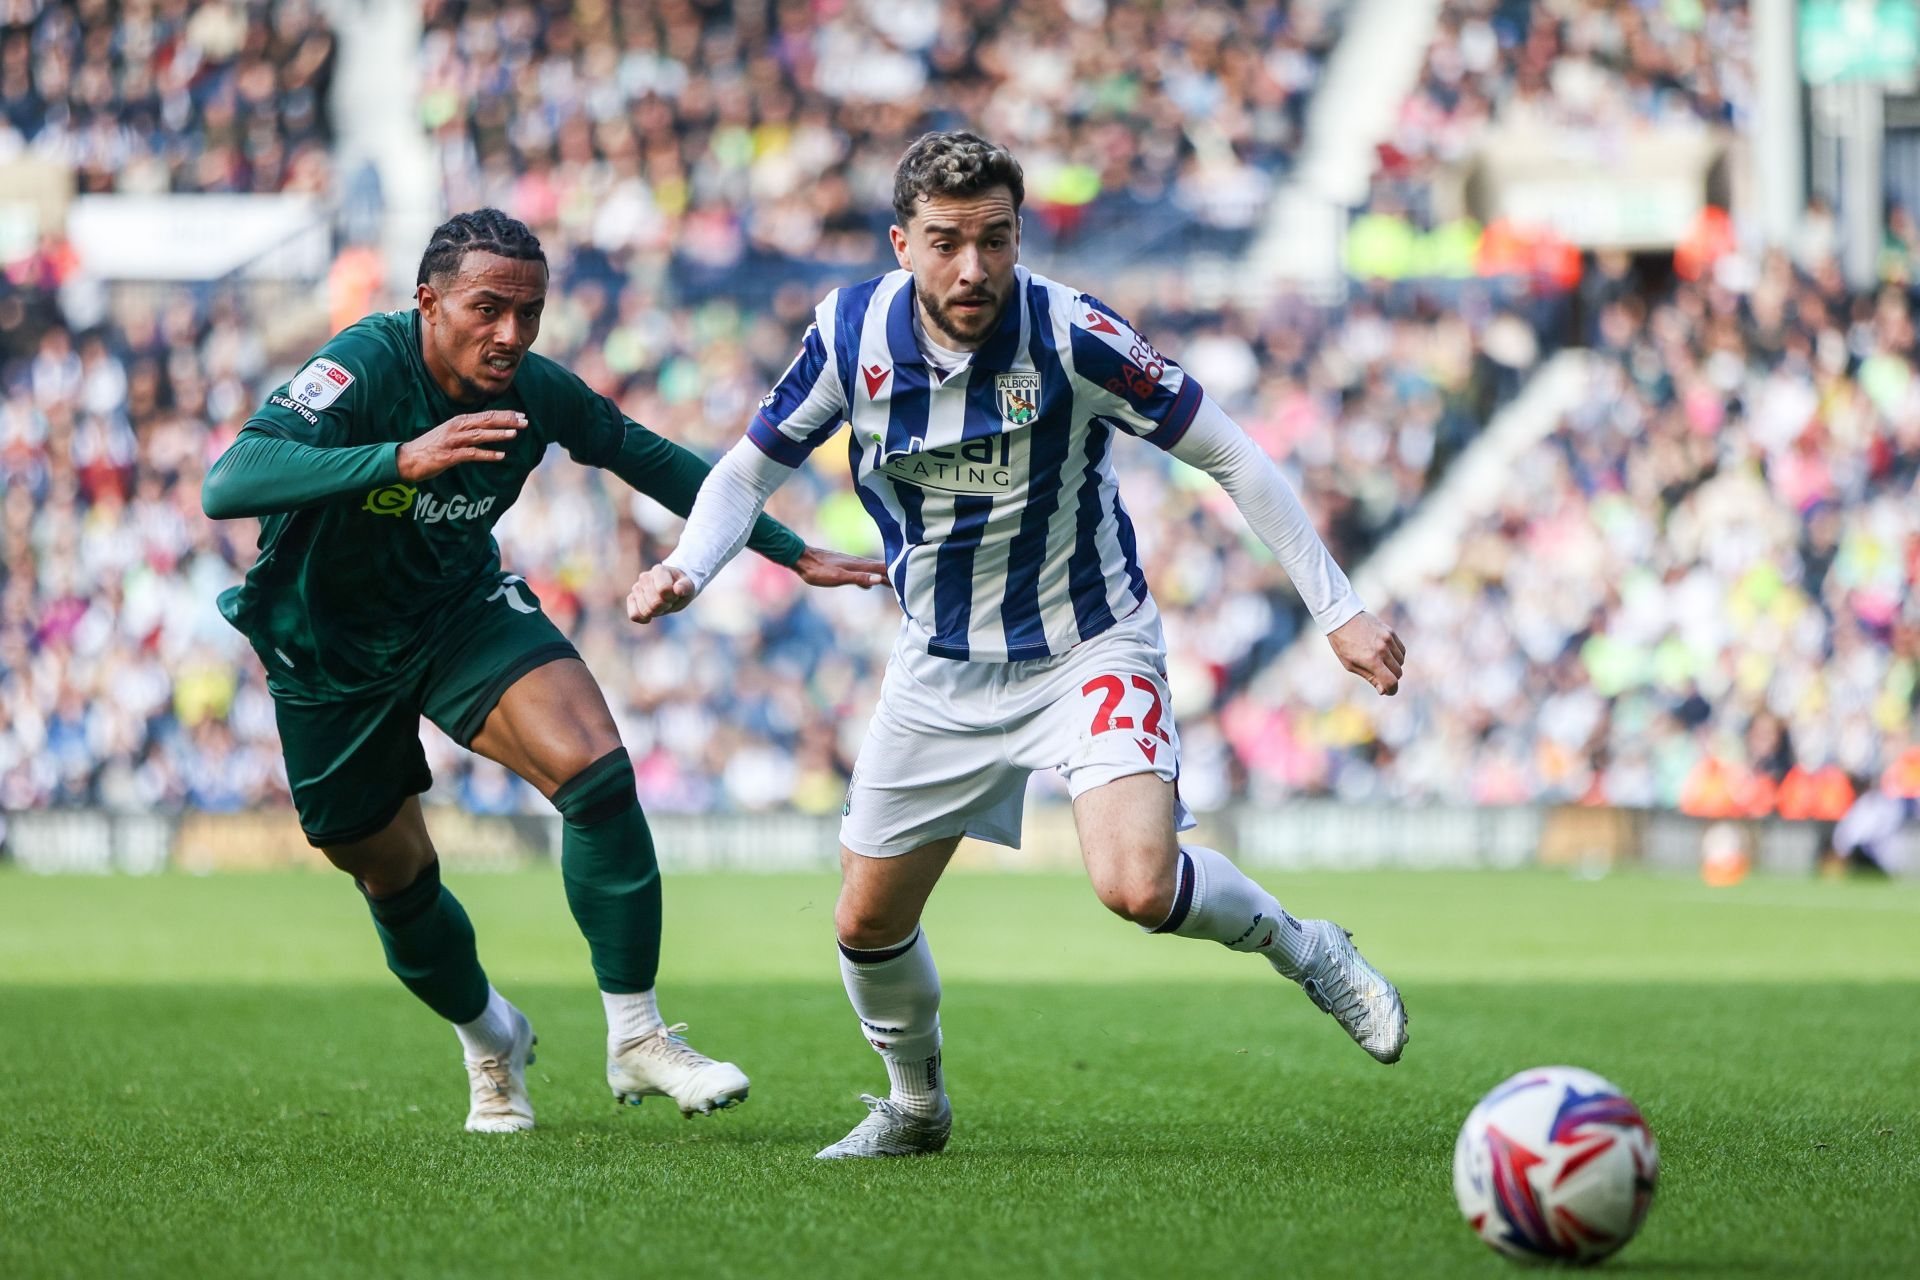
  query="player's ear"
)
[
  {"x": 901, "y": 254},
  {"x": 426, "y": 299}
]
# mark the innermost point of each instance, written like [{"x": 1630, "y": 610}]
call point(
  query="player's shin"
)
[
  {"x": 613, "y": 888},
  {"x": 896, "y": 995},
  {"x": 430, "y": 948},
  {"x": 1218, "y": 901}
]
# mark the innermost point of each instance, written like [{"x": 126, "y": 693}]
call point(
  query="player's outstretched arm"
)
[
  {"x": 717, "y": 528},
  {"x": 1365, "y": 645},
  {"x": 673, "y": 476},
  {"x": 264, "y": 474}
]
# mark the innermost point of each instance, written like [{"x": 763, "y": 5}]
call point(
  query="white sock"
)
[
  {"x": 629, "y": 1018},
  {"x": 491, "y": 1034},
  {"x": 1222, "y": 905},
  {"x": 896, "y": 993}
]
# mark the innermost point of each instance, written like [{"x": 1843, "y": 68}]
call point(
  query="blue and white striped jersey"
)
[{"x": 994, "y": 490}]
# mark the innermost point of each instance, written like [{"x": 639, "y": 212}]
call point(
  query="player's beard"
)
[{"x": 951, "y": 325}]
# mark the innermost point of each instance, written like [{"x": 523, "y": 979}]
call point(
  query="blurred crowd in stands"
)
[
  {"x": 120, "y": 684},
  {"x": 740, "y": 143},
  {"x": 1594, "y": 68},
  {"x": 1698, "y": 592},
  {"x": 146, "y": 96}
]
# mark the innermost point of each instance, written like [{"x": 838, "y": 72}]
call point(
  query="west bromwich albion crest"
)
[{"x": 1018, "y": 395}]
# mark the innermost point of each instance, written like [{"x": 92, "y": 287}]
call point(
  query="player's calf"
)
[{"x": 1217, "y": 901}]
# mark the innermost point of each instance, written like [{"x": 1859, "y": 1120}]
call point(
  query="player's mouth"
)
[{"x": 501, "y": 367}]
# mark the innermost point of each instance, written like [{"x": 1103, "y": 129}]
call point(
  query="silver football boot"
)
[
  {"x": 890, "y": 1131},
  {"x": 1339, "y": 981}
]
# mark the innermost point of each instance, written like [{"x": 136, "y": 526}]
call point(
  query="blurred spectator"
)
[{"x": 161, "y": 95}]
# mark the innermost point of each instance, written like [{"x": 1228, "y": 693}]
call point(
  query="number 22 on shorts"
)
[{"x": 1112, "y": 692}]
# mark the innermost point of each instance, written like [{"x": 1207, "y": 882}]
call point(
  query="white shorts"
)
[{"x": 952, "y": 744}]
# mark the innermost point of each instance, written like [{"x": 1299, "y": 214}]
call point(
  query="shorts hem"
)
[
  {"x": 469, "y": 725},
  {"x": 359, "y": 831},
  {"x": 1105, "y": 773},
  {"x": 894, "y": 848}
]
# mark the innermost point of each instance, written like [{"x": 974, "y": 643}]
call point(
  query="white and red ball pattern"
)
[{"x": 1555, "y": 1164}]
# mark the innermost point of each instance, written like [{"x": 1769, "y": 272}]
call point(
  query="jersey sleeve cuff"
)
[
  {"x": 1340, "y": 613},
  {"x": 776, "y": 445},
  {"x": 1186, "y": 403}
]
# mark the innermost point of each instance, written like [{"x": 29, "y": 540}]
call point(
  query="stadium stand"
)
[
  {"x": 160, "y": 95},
  {"x": 1596, "y": 66},
  {"x": 121, "y": 686},
  {"x": 755, "y": 142},
  {"x": 1696, "y": 593},
  {"x": 127, "y": 690}
]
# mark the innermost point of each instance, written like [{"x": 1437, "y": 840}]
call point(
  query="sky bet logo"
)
[{"x": 398, "y": 499}]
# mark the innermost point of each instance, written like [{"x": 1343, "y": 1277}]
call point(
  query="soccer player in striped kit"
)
[{"x": 984, "y": 402}]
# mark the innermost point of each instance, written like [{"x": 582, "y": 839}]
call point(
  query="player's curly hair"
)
[
  {"x": 477, "y": 231},
  {"x": 953, "y": 164}
]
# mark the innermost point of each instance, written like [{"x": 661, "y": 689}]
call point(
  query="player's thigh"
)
[
  {"x": 881, "y": 898},
  {"x": 506, "y": 683},
  {"x": 351, "y": 765},
  {"x": 390, "y": 859},
  {"x": 549, "y": 725},
  {"x": 1127, "y": 840}
]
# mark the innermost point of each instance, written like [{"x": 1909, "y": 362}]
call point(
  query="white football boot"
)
[
  {"x": 890, "y": 1131},
  {"x": 662, "y": 1065},
  {"x": 1338, "y": 979},
  {"x": 499, "y": 1085}
]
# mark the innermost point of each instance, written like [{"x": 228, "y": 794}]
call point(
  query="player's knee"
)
[
  {"x": 1144, "y": 897},
  {"x": 871, "y": 926},
  {"x": 599, "y": 789}
]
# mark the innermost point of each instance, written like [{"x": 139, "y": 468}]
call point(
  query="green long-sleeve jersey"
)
[{"x": 357, "y": 568}]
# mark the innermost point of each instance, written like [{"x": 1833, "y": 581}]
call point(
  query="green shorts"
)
[{"x": 351, "y": 764}]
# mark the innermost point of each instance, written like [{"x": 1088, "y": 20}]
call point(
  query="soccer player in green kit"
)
[{"x": 380, "y": 469}]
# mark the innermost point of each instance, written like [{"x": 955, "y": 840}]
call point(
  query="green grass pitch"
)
[{"x": 216, "y": 1077}]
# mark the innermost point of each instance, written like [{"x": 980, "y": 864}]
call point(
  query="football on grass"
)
[{"x": 1556, "y": 1164}]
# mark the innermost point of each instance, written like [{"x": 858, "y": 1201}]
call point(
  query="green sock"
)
[
  {"x": 613, "y": 882},
  {"x": 429, "y": 945}
]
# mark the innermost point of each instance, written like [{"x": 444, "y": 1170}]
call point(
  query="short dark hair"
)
[
  {"x": 477, "y": 231},
  {"x": 953, "y": 164}
]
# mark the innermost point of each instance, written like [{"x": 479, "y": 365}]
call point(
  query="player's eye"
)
[{"x": 486, "y": 309}]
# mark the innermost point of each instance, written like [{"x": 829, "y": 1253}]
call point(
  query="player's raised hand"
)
[
  {"x": 820, "y": 568},
  {"x": 1368, "y": 647},
  {"x": 471, "y": 437},
  {"x": 658, "y": 592}
]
